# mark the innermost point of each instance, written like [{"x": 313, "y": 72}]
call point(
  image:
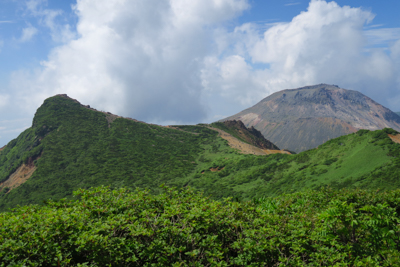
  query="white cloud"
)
[
  {"x": 293, "y": 4},
  {"x": 174, "y": 60},
  {"x": 325, "y": 44},
  {"x": 382, "y": 36},
  {"x": 136, "y": 58},
  {"x": 10, "y": 129},
  {"x": 4, "y": 100},
  {"x": 28, "y": 33},
  {"x": 48, "y": 18}
]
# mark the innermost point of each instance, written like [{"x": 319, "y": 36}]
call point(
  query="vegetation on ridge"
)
[{"x": 75, "y": 147}]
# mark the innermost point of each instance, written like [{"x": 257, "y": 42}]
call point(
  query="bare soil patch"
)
[
  {"x": 395, "y": 138},
  {"x": 20, "y": 176},
  {"x": 243, "y": 147}
]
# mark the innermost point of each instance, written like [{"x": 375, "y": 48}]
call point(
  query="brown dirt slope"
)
[
  {"x": 395, "y": 138},
  {"x": 20, "y": 176},
  {"x": 243, "y": 147},
  {"x": 249, "y": 135}
]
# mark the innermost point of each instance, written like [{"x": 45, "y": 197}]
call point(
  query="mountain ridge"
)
[{"x": 73, "y": 146}]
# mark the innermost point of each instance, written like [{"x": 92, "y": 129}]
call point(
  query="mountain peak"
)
[
  {"x": 318, "y": 86},
  {"x": 303, "y": 118}
]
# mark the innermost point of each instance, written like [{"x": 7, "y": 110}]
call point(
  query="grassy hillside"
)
[
  {"x": 74, "y": 147},
  {"x": 364, "y": 159}
]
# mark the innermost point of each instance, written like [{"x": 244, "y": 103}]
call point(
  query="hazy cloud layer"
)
[
  {"x": 27, "y": 34},
  {"x": 60, "y": 32},
  {"x": 173, "y": 61}
]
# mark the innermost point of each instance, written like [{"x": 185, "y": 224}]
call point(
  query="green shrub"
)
[
  {"x": 362, "y": 132},
  {"x": 329, "y": 161},
  {"x": 182, "y": 228}
]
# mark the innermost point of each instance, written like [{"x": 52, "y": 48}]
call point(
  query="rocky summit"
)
[{"x": 303, "y": 118}]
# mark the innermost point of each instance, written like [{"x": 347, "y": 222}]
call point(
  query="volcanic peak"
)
[{"x": 303, "y": 118}]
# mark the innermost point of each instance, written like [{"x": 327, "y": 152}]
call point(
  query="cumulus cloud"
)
[
  {"x": 325, "y": 44},
  {"x": 175, "y": 60},
  {"x": 136, "y": 58}
]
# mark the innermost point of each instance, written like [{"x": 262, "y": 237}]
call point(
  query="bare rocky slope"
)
[
  {"x": 303, "y": 118},
  {"x": 246, "y": 140},
  {"x": 249, "y": 135}
]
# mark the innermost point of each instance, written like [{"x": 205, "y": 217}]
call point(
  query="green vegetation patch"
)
[{"x": 183, "y": 228}]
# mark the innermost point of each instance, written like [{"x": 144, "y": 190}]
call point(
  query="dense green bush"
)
[{"x": 182, "y": 228}]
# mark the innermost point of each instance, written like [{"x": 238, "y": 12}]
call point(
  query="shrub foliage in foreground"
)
[{"x": 184, "y": 228}]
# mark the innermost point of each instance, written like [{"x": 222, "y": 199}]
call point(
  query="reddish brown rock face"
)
[{"x": 301, "y": 119}]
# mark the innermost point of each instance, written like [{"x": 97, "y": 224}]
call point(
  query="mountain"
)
[
  {"x": 304, "y": 118},
  {"x": 72, "y": 146}
]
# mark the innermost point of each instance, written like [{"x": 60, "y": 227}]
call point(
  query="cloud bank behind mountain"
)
[{"x": 177, "y": 61}]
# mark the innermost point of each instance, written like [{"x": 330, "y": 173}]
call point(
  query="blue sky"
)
[
  {"x": 386, "y": 11},
  {"x": 178, "y": 61}
]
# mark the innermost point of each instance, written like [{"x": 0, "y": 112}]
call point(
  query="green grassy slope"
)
[
  {"x": 365, "y": 159},
  {"x": 76, "y": 147}
]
